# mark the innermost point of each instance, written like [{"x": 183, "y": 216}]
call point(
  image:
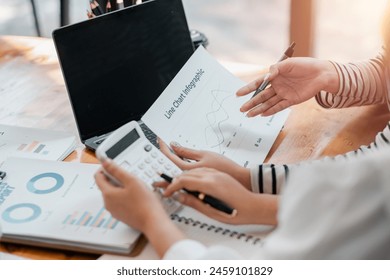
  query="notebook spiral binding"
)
[{"x": 233, "y": 234}]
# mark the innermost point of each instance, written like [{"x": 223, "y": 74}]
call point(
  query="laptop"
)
[{"x": 116, "y": 65}]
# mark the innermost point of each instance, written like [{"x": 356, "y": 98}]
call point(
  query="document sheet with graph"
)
[
  {"x": 199, "y": 109},
  {"x": 58, "y": 205}
]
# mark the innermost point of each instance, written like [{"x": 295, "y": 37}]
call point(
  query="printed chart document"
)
[
  {"x": 199, "y": 109},
  {"x": 34, "y": 143},
  {"x": 57, "y": 204}
]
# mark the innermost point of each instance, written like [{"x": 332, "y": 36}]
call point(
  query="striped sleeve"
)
[
  {"x": 362, "y": 83},
  {"x": 271, "y": 178}
]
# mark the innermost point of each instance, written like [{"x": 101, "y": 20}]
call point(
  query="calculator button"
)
[
  {"x": 125, "y": 165},
  {"x": 154, "y": 154},
  {"x": 160, "y": 160},
  {"x": 148, "y": 148},
  {"x": 141, "y": 165},
  {"x": 157, "y": 178},
  {"x": 149, "y": 173},
  {"x": 148, "y": 160},
  {"x": 143, "y": 178},
  {"x": 168, "y": 166},
  {"x": 155, "y": 166},
  {"x": 175, "y": 172}
]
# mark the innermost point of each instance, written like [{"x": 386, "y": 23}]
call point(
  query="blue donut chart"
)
[
  {"x": 31, "y": 185},
  {"x": 7, "y": 214}
]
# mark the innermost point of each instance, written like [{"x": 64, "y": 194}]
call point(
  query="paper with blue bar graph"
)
[
  {"x": 58, "y": 204},
  {"x": 199, "y": 109}
]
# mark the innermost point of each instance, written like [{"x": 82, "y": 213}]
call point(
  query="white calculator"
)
[{"x": 128, "y": 147}]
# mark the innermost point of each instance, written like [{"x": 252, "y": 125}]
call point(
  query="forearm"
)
[
  {"x": 362, "y": 83},
  {"x": 264, "y": 209},
  {"x": 329, "y": 76},
  {"x": 243, "y": 175},
  {"x": 271, "y": 178}
]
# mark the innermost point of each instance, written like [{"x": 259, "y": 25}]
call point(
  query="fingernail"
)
[{"x": 175, "y": 144}]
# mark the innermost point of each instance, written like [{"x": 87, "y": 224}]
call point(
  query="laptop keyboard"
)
[{"x": 149, "y": 134}]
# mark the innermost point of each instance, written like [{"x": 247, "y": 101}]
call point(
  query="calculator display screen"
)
[{"x": 122, "y": 144}]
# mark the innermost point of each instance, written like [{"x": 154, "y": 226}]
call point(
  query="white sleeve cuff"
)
[
  {"x": 186, "y": 249},
  {"x": 192, "y": 250}
]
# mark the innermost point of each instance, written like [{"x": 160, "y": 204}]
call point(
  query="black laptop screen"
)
[{"x": 115, "y": 66}]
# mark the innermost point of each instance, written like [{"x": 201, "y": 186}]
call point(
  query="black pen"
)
[
  {"x": 213, "y": 202},
  {"x": 288, "y": 53}
]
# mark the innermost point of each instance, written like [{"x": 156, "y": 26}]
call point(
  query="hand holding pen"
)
[
  {"x": 288, "y": 53},
  {"x": 215, "y": 203},
  {"x": 259, "y": 104}
]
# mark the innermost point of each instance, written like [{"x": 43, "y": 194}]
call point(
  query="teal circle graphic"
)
[
  {"x": 31, "y": 185},
  {"x": 36, "y": 211}
]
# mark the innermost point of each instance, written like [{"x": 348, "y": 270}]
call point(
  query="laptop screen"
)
[{"x": 116, "y": 65}]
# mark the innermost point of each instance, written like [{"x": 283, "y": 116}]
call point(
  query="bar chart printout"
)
[
  {"x": 34, "y": 143},
  {"x": 101, "y": 219}
]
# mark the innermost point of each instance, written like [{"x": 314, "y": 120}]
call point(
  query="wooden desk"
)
[{"x": 32, "y": 93}]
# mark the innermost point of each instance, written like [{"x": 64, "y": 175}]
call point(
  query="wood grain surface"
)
[{"x": 33, "y": 94}]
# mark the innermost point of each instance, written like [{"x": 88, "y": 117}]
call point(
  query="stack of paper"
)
[
  {"x": 34, "y": 143},
  {"x": 58, "y": 205}
]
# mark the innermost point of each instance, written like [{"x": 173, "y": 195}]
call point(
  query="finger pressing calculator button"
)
[{"x": 148, "y": 147}]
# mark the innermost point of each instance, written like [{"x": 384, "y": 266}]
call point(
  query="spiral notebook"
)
[{"x": 247, "y": 240}]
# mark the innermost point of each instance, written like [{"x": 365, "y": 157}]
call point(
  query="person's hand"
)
[
  {"x": 292, "y": 81},
  {"x": 132, "y": 202},
  {"x": 187, "y": 159},
  {"x": 251, "y": 208},
  {"x": 136, "y": 205}
]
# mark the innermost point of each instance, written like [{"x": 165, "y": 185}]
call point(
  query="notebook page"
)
[{"x": 245, "y": 239}]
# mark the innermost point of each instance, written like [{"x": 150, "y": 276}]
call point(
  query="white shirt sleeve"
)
[
  {"x": 190, "y": 249},
  {"x": 271, "y": 178},
  {"x": 323, "y": 216}
]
